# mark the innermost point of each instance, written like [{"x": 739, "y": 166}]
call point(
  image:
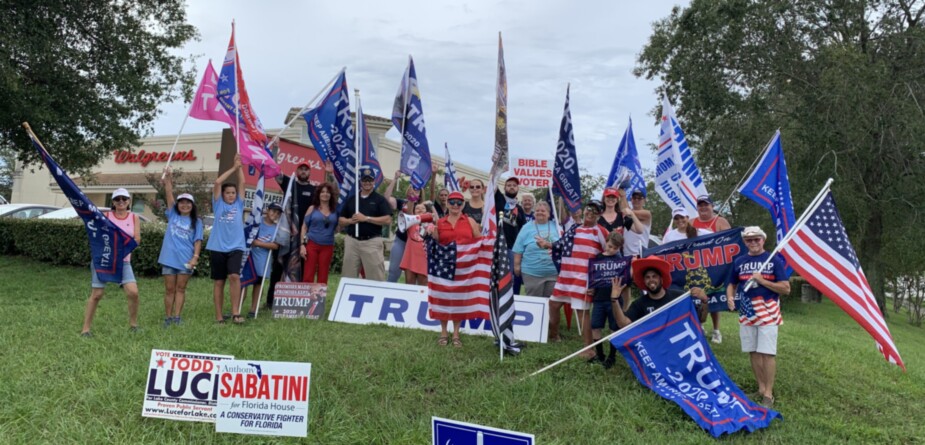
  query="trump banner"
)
[
  {"x": 669, "y": 355},
  {"x": 704, "y": 262},
  {"x": 769, "y": 186},
  {"x": 109, "y": 245},
  {"x": 330, "y": 129},
  {"x": 408, "y": 118},
  {"x": 566, "y": 181},
  {"x": 602, "y": 271},
  {"x": 182, "y": 385}
]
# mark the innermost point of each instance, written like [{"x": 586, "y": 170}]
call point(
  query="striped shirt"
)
[
  {"x": 573, "y": 276},
  {"x": 760, "y": 306}
]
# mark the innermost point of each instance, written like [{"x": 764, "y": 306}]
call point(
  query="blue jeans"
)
[{"x": 395, "y": 256}]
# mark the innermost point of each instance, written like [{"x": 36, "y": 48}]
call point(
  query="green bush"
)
[{"x": 64, "y": 242}]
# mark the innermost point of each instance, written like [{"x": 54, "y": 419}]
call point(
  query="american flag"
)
[
  {"x": 502, "y": 294},
  {"x": 563, "y": 247},
  {"x": 822, "y": 253},
  {"x": 458, "y": 277}
]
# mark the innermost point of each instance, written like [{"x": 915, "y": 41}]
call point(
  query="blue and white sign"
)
[
  {"x": 403, "y": 305},
  {"x": 452, "y": 432}
]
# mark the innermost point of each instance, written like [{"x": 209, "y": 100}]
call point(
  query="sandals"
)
[
  {"x": 442, "y": 341},
  {"x": 237, "y": 319},
  {"x": 457, "y": 343},
  {"x": 767, "y": 402}
]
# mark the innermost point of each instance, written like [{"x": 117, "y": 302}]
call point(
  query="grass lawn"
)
[{"x": 381, "y": 385}]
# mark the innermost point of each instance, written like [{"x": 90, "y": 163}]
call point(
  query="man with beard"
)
[
  {"x": 364, "y": 247},
  {"x": 302, "y": 192},
  {"x": 652, "y": 274},
  {"x": 511, "y": 216}
]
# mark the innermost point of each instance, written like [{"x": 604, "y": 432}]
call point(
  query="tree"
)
[
  {"x": 195, "y": 183},
  {"x": 7, "y": 164},
  {"x": 88, "y": 75},
  {"x": 842, "y": 80}
]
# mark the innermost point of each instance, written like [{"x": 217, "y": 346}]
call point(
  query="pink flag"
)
[{"x": 205, "y": 102}]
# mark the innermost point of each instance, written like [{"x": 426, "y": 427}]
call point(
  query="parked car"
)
[
  {"x": 25, "y": 211},
  {"x": 70, "y": 213}
]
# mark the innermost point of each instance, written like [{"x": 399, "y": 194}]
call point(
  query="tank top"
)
[
  {"x": 461, "y": 232},
  {"x": 709, "y": 225},
  {"x": 321, "y": 228},
  {"x": 127, "y": 225}
]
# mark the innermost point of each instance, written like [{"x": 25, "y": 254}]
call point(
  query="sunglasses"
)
[
  {"x": 455, "y": 202},
  {"x": 638, "y": 197},
  {"x": 752, "y": 240},
  {"x": 475, "y": 187},
  {"x": 120, "y": 198}
]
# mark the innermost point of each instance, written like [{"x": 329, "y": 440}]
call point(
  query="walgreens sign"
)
[{"x": 146, "y": 157}]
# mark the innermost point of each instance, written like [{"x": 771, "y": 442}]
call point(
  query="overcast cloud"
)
[{"x": 289, "y": 50}]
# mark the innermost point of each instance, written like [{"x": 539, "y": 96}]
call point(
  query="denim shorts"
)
[
  {"x": 601, "y": 314},
  {"x": 167, "y": 270},
  {"x": 128, "y": 276}
]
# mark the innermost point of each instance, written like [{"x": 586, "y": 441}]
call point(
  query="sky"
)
[{"x": 290, "y": 50}]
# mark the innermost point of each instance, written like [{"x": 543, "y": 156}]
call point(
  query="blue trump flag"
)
[
  {"x": 566, "y": 182},
  {"x": 769, "y": 186},
  {"x": 408, "y": 118},
  {"x": 704, "y": 262},
  {"x": 330, "y": 129},
  {"x": 367, "y": 150},
  {"x": 251, "y": 229},
  {"x": 669, "y": 355},
  {"x": 626, "y": 172},
  {"x": 108, "y": 244}
]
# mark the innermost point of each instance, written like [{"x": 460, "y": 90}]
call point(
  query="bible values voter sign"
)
[
  {"x": 263, "y": 398},
  {"x": 182, "y": 385}
]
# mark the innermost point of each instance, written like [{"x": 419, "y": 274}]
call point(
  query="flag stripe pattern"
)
[
  {"x": 251, "y": 229},
  {"x": 573, "y": 251},
  {"x": 449, "y": 175},
  {"x": 458, "y": 280},
  {"x": 822, "y": 253}
]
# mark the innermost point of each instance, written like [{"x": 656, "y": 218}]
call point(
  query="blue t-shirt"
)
[
  {"x": 179, "y": 239},
  {"x": 536, "y": 261},
  {"x": 260, "y": 254},
  {"x": 228, "y": 228},
  {"x": 320, "y": 228}
]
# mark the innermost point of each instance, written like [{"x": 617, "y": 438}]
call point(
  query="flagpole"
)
[
  {"x": 404, "y": 109},
  {"x": 749, "y": 171},
  {"x": 356, "y": 172},
  {"x": 177, "y": 140},
  {"x": 799, "y": 224},
  {"x": 237, "y": 94},
  {"x": 306, "y": 107},
  {"x": 612, "y": 335},
  {"x": 275, "y": 232}
]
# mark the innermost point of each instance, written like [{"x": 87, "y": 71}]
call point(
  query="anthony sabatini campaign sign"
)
[
  {"x": 265, "y": 398},
  {"x": 182, "y": 385}
]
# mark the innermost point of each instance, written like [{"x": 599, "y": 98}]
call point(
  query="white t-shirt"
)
[{"x": 674, "y": 235}]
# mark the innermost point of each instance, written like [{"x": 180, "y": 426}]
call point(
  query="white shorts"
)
[
  {"x": 760, "y": 339},
  {"x": 578, "y": 305}
]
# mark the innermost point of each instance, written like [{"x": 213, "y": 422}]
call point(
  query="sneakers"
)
[
  {"x": 717, "y": 336},
  {"x": 134, "y": 329},
  {"x": 87, "y": 334},
  {"x": 177, "y": 321},
  {"x": 167, "y": 322}
]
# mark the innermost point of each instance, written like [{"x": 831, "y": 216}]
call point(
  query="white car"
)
[
  {"x": 70, "y": 213},
  {"x": 25, "y": 211}
]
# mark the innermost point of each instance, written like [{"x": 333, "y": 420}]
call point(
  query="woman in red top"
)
[{"x": 458, "y": 227}]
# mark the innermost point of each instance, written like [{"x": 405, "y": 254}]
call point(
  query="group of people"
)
[{"x": 548, "y": 259}]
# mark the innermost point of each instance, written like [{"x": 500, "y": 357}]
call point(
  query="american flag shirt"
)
[
  {"x": 760, "y": 306},
  {"x": 571, "y": 254}
]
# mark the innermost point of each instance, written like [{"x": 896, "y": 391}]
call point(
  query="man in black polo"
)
[{"x": 364, "y": 246}]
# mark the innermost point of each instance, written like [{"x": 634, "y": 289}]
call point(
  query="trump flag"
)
[
  {"x": 677, "y": 177},
  {"x": 330, "y": 129},
  {"x": 668, "y": 354},
  {"x": 108, "y": 244},
  {"x": 408, "y": 118},
  {"x": 769, "y": 186},
  {"x": 626, "y": 171},
  {"x": 566, "y": 182}
]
